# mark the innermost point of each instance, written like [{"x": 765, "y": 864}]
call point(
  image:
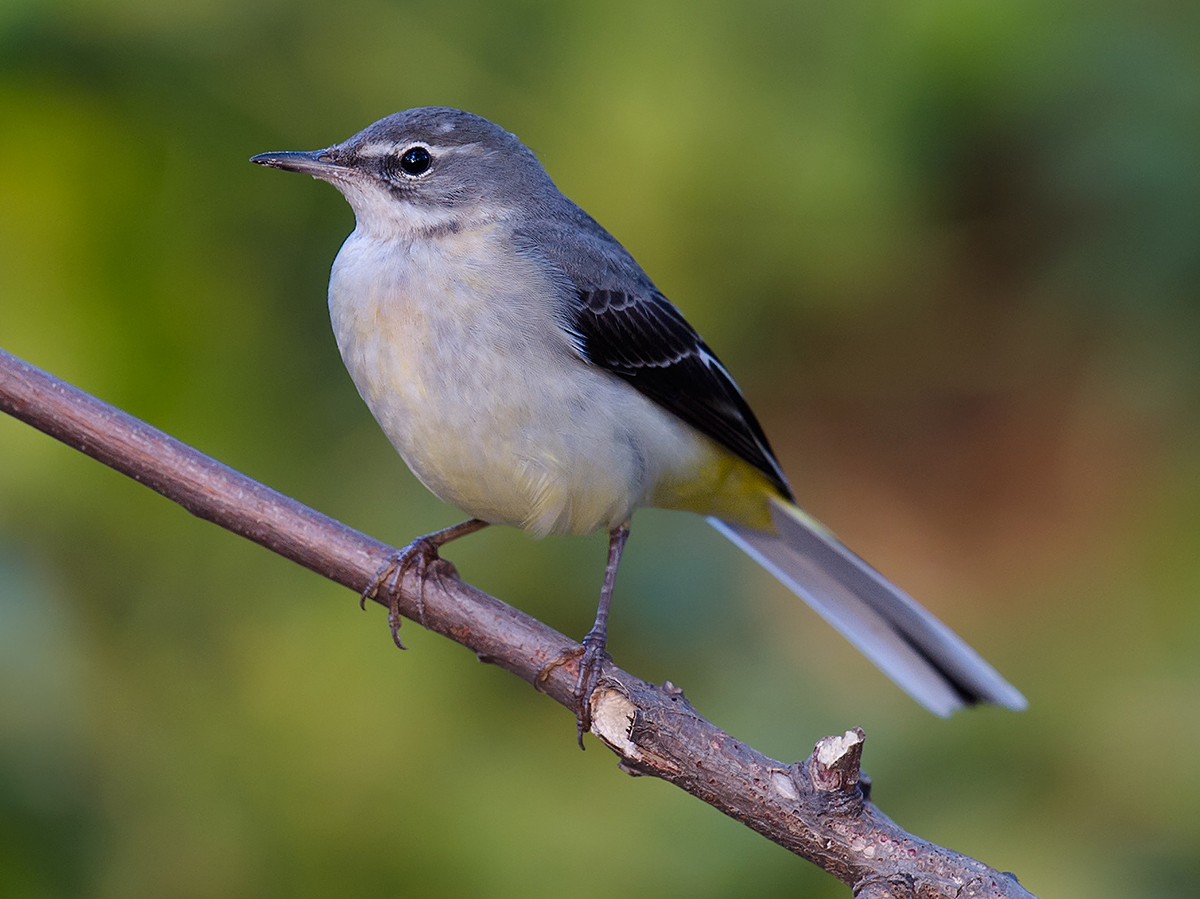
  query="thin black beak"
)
[{"x": 317, "y": 163}]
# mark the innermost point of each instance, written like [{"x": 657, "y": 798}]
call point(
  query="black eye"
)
[{"x": 415, "y": 161}]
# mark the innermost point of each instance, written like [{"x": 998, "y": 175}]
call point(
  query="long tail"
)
[{"x": 924, "y": 657}]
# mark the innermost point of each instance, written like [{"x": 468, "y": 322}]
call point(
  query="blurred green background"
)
[{"x": 950, "y": 249}]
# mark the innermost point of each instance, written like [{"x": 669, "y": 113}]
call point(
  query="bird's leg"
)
[
  {"x": 591, "y": 664},
  {"x": 417, "y": 555}
]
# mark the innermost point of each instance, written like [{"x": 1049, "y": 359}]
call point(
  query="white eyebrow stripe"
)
[{"x": 378, "y": 148}]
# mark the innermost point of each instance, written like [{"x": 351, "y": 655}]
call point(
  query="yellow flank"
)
[{"x": 723, "y": 485}]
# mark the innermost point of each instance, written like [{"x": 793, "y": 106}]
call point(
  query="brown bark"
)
[{"x": 817, "y": 808}]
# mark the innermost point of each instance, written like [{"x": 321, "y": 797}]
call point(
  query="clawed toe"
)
[
  {"x": 591, "y": 667},
  {"x": 543, "y": 674},
  {"x": 592, "y": 655},
  {"x": 415, "y": 558}
]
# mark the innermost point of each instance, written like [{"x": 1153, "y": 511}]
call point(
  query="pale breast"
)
[{"x": 454, "y": 345}]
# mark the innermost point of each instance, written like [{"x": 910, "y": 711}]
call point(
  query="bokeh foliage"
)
[{"x": 952, "y": 251}]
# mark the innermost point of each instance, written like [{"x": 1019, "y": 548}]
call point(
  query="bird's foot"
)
[
  {"x": 592, "y": 655},
  {"x": 415, "y": 558},
  {"x": 591, "y": 666}
]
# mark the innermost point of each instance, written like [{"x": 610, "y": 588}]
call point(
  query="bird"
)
[{"x": 529, "y": 372}]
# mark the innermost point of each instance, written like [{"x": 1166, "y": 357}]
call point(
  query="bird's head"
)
[{"x": 426, "y": 171}]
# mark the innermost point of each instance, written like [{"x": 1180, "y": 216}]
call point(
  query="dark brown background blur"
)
[{"x": 950, "y": 249}]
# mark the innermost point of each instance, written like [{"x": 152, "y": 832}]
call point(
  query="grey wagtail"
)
[{"x": 529, "y": 372}]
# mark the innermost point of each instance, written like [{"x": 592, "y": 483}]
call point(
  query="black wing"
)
[{"x": 646, "y": 341}]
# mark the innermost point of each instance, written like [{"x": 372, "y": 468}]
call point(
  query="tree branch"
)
[{"x": 818, "y": 808}]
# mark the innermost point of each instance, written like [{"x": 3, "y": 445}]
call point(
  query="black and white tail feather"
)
[{"x": 926, "y": 659}]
